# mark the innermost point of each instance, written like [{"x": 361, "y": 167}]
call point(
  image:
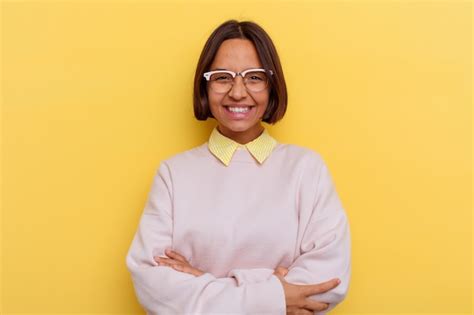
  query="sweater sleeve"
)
[
  {"x": 163, "y": 290},
  {"x": 323, "y": 235},
  {"x": 255, "y": 275}
]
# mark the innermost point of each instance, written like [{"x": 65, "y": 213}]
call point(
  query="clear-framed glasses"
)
[{"x": 221, "y": 81}]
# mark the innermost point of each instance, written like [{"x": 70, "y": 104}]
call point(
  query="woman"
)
[{"x": 241, "y": 224}]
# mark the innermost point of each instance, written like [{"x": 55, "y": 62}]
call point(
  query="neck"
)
[{"x": 242, "y": 137}]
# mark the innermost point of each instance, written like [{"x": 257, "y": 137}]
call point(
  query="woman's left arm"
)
[
  {"x": 323, "y": 238},
  {"x": 323, "y": 235}
]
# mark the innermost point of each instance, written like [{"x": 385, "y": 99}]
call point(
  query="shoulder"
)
[
  {"x": 309, "y": 164},
  {"x": 301, "y": 155},
  {"x": 186, "y": 158}
]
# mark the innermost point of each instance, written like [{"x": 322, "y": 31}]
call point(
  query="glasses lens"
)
[
  {"x": 221, "y": 82},
  {"x": 256, "y": 81}
]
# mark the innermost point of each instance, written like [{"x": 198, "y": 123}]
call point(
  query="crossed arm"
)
[
  {"x": 296, "y": 296},
  {"x": 324, "y": 248}
]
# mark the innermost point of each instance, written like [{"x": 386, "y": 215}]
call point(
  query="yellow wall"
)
[{"x": 97, "y": 93}]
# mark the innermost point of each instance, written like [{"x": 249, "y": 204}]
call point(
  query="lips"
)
[
  {"x": 239, "y": 111},
  {"x": 243, "y": 105}
]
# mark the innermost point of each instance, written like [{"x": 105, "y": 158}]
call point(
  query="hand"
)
[
  {"x": 177, "y": 262},
  {"x": 291, "y": 310},
  {"x": 296, "y": 296}
]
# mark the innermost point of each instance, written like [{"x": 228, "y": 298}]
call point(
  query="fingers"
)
[
  {"x": 320, "y": 287},
  {"x": 166, "y": 261},
  {"x": 308, "y": 290},
  {"x": 175, "y": 255},
  {"x": 178, "y": 265},
  {"x": 298, "y": 311},
  {"x": 281, "y": 271},
  {"x": 278, "y": 272},
  {"x": 183, "y": 268},
  {"x": 315, "y": 306}
]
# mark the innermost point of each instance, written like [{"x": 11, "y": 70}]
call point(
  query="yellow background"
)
[{"x": 96, "y": 93}]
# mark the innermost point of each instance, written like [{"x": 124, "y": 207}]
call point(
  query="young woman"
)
[{"x": 241, "y": 224}]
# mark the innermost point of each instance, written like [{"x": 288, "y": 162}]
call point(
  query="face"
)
[{"x": 238, "y": 55}]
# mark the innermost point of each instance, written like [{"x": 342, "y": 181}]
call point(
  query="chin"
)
[{"x": 236, "y": 127}]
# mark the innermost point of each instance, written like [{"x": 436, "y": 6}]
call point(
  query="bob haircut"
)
[{"x": 278, "y": 97}]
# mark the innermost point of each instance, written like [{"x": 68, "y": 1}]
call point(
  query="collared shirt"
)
[{"x": 223, "y": 147}]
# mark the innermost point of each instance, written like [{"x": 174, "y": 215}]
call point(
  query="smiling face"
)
[{"x": 238, "y": 112}]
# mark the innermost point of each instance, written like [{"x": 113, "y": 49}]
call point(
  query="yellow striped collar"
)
[{"x": 223, "y": 147}]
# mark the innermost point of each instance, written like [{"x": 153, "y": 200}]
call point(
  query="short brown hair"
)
[{"x": 268, "y": 55}]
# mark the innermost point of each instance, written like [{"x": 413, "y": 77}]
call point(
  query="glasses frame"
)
[{"x": 208, "y": 74}]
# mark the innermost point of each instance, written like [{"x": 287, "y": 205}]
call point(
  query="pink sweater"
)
[{"x": 238, "y": 223}]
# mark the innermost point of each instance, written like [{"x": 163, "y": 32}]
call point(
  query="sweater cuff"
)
[
  {"x": 268, "y": 298},
  {"x": 250, "y": 276},
  {"x": 263, "y": 298}
]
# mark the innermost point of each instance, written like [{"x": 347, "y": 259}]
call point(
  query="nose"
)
[{"x": 238, "y": 89}]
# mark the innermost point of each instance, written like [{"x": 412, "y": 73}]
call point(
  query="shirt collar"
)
[{"x": 223, "y": 147}]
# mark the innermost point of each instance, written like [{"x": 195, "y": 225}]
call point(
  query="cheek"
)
[
  {"x": 214, "y": 99},
  {"x": 214, "y": 103},
  {"x": 263, "y": 101}
]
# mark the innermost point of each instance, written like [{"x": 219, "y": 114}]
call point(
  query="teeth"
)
[{"x": 239, "y": 109}]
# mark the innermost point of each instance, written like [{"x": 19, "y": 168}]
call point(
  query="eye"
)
[
  {"x": 221, "y": 77},
  {"x": 256, "y": 76}
]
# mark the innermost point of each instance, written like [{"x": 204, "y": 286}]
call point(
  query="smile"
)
[
  {"x": 239, "y": 112},
  {"x": 238, "y": 109}
]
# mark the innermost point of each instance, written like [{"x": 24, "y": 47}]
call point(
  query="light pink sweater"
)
[{"x": 238, "y": 223}]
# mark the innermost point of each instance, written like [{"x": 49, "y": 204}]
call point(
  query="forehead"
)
[{"x": 237, "y": 55}]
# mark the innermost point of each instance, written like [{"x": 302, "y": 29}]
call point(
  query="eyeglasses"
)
[{"x": 221, "y": 81}]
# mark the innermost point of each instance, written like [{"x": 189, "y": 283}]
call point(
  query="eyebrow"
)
[{"x": 218, "y": 69}]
